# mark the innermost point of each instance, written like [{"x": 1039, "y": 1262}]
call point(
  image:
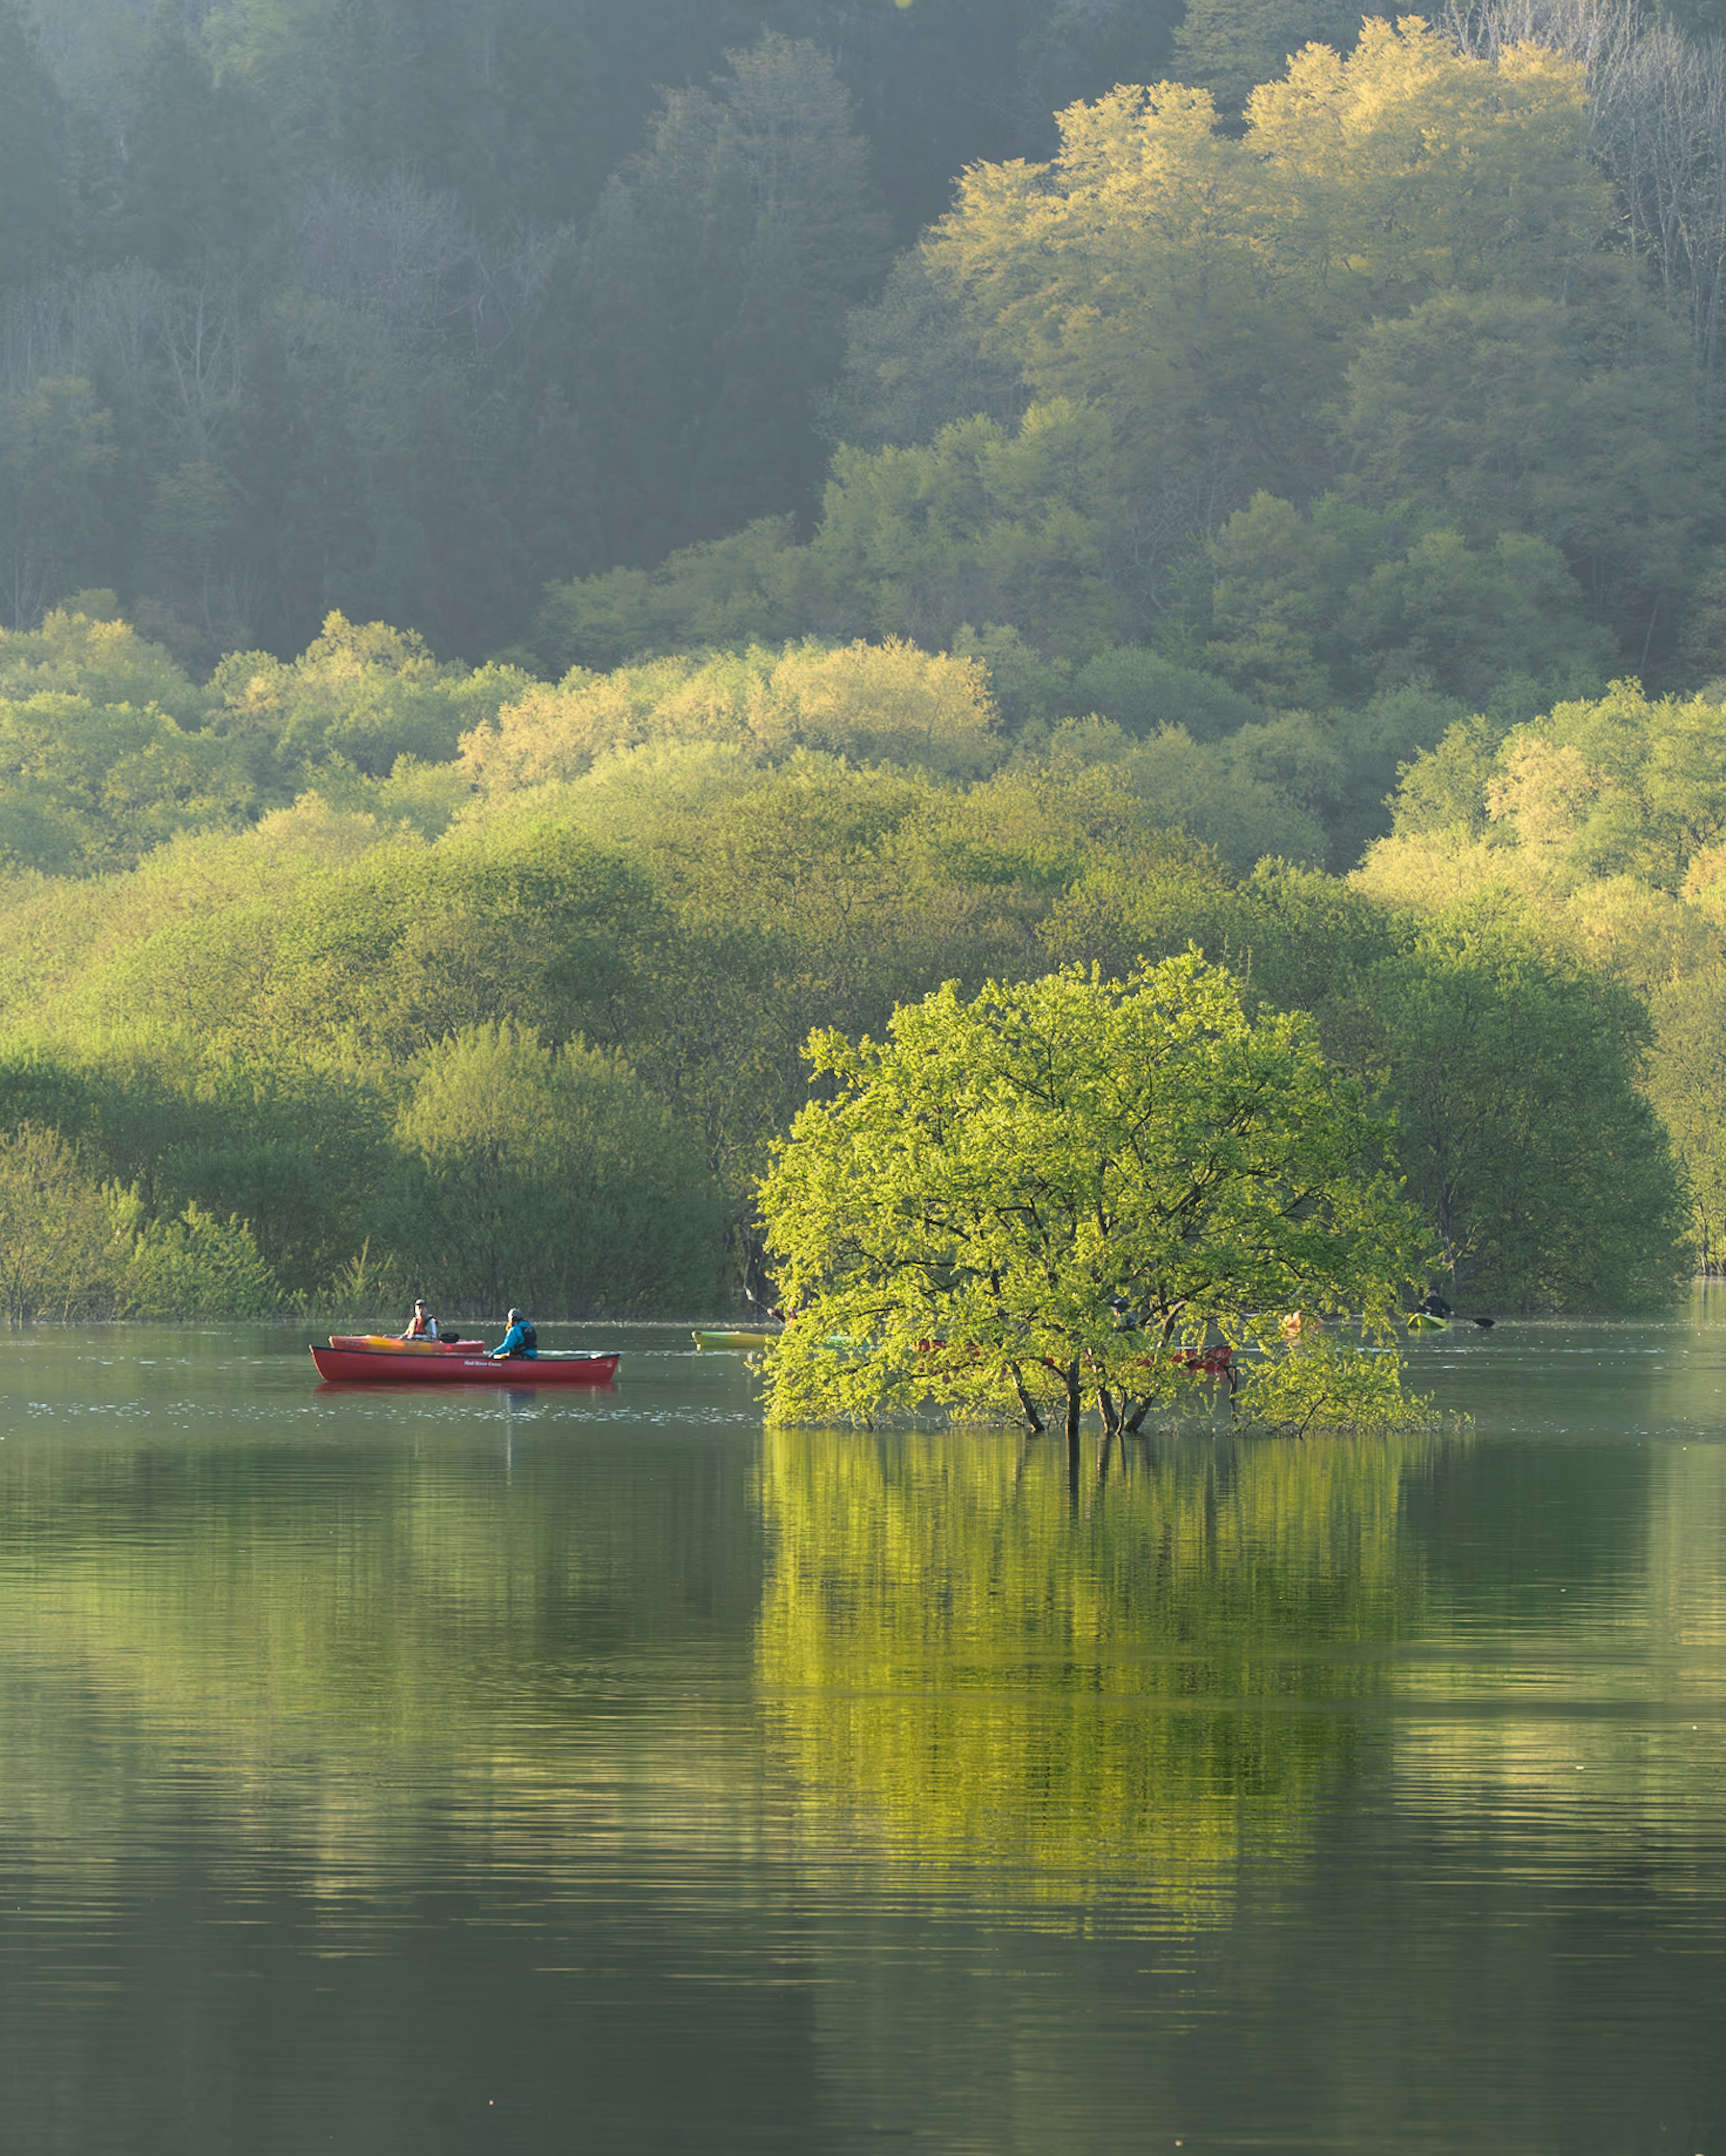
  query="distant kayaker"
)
[
  {"x": 521, "y": 1339},
  {"x": 1434, "y": 1305},
  {"x": 420, "y": 1326}
]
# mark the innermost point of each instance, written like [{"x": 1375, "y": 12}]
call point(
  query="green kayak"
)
[
  {"x": 713, "y": 1342},
  {"x": 1423, "y": 1320}
]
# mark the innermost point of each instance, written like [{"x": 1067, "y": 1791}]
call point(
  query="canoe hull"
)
[
  {"x": 716, "y": 1342},
  {"x": 350, "y": 1366}
]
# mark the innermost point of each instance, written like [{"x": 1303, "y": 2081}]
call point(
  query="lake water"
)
[{"x": 456, "y": 1772}]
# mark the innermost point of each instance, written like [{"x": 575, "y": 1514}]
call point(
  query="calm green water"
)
[{"x": 441, "y": 1774}]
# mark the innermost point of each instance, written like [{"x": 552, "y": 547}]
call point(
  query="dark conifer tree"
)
[
  {"x": 1079, "y": 48},
  {"x": 195, "y": 183},
  {"x": 712, "y": 300},
  {"x": 575, "y": 80},
  {"x": 411, "y": 91},
  {"x": 1229, "y": 46},
  {"x": 304, "y": 489},
  {"x": 35, "y": 178}
]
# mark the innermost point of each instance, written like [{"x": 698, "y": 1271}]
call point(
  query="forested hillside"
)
[
  {"x": 549, "y": 551},
  {"x": 404, "y": 306}
]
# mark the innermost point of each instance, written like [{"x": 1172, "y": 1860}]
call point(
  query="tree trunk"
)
[{"x": 1027, "y": 1404}]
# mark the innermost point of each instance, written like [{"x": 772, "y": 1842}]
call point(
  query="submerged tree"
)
[{"x": 1082, "y": 1186}]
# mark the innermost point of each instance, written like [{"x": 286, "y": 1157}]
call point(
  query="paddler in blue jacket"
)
[{"x": 521, "y": 1339}]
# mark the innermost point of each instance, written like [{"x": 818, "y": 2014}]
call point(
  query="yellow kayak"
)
[{"x": 386, "y": 1344}]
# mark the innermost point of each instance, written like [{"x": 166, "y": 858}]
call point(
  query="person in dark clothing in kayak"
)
[
  {"x": 521, "y": 1339},
  {"x": 1435, "y": 1306}
]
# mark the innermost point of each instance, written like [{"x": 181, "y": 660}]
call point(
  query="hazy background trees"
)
[
  {"x": 657, "y": 529},
  {"x": 410, "y": 310}
]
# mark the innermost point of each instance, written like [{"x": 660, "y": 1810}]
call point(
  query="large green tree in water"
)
[{"x": 992, "y": 1191}]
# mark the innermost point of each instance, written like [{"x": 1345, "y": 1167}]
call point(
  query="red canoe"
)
[{"x": 454, "y": 1367}]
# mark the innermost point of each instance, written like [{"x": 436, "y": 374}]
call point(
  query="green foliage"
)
[
  {"x": 1623, "y": 784},
  {"x": 197, "y": 183},
  {"x": 296, "y": 1146},
  {"x": 370, "y": 316},
  {"x": 1141, "y": 691},
  {"x": 404, "y": 311},
  {"x": 1687, "y": 1083},
  {"x": 987, "y": 523},
  {"x": 1048, "y": 415},
  {"x": 710, "y": 293},
  {"x": 1608, "y": 818},
  {"x": 1318, "y": 1382},
  {"x": 886, "y": 703},
  {"x": 551, "y": 1178},
  {"x": 1462, "y": 620},
  {"x": 1306, "y": 609},
  {"x": 1444, "y": 788},
  {"x": 86, "y": 786},
  {"x": 57, "y": 457},
  {"x": 85, "y": 650},
  {"x": 1503, "y": 414},
  {"x": 35, "y": 172},
  {"x": 1512, "y": 1072},
  {"x": 913, "y": 365},
  {"x": 369, "y": 696},
  {"x": 1229, "y": 46},
  {"x": 1149, "y": 269},
  {"x": 405, "y": 945},
  {"x": 236, "y": 1021},
  {"x": 993, "y": 1185},
  {"x": 1221, "y": 794},
  {"x": 58, "y": 1238},
  {"x": 195, "y": 1265},
  {"x": 729, "y": 591},
  {"x": 1520, "y": 1123}
]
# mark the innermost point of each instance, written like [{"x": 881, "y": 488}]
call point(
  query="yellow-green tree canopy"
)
[
  {"x": 867, "y": 702},
  {"x": 365, "y": 692},
  {"x": 1624, "y": 785},
  {"x": 1058, "y": 1188},
  {"x": 1205, "y": 290}
]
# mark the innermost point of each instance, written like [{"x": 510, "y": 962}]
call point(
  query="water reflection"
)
[
  {"x": 441, "y": 1774},
  {"x": 1118, "y": 1700},
  {"x": 324, "y": 1640}
]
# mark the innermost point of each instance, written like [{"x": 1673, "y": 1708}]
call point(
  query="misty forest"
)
[{"x": 549, "y": 552}]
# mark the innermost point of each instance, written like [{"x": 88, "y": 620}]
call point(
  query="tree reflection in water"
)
[{"x": 971, "y": 1672}]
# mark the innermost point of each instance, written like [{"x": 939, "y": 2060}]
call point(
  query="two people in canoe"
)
[{"x": 521, "y": 1339}]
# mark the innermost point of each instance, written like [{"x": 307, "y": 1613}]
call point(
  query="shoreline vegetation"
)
[
  {"x": 265, "y": 1058},
  {"x": 453, "y": 759}
]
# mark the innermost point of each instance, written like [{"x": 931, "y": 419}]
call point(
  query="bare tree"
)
[{"x": 1657, "y": 123}]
